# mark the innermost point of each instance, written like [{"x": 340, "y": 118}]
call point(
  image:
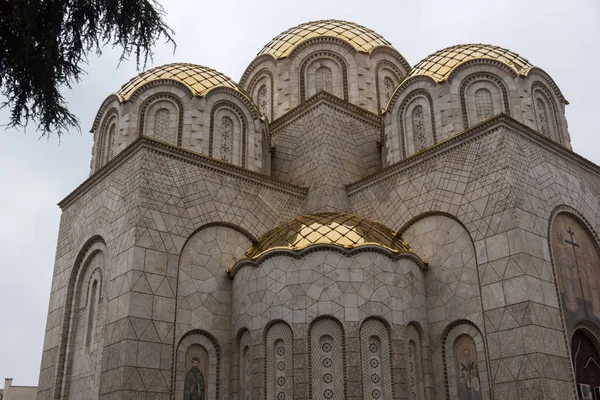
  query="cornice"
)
[
  {"x": 298, "y": 254},
  {"x": 324, "y": 97},
  {"x": 186, "y": 156},
  {"x": 486, "y": 127}
]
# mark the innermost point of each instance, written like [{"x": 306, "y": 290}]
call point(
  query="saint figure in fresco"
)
[
  {"x": 469, "y": 389},
  {"x": 194, "y": 382}
]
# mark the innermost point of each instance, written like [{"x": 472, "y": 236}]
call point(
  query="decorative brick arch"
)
[
  {"x": 401, "y": 118},
  {"x": 158, "y": 97},
  {"x": 224, "y": 104},
  {"x": 103, "y": 143},
  {"x": 538, "y": 87},
  {"x": 326, "y": 55},
  {"x": 482, "y": 77},
  {"x": 263, "y": 73},
  {"x": 93, "y": 246},
  {"x": 381, "y": 65}
]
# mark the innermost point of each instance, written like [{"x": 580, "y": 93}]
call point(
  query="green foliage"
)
[{"x": 44, "y": 42}]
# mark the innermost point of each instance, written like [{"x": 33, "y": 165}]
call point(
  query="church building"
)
[{"x": 337, "y": 225}]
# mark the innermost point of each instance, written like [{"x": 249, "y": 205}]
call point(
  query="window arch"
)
[
  {"x": 227, "y": 139},
  {"x": 478, "y": 106},
  {"x": 162, "y": 122},
  {"x": 414, "y": 362},
  {"x": 418, "y": 125},
  {"x": 326, "y": 346},
  {"x": 245, "y": 363},
  {"x": 388, "y": 88},
  {"x": 308, "y": 75},
  {"x": 279, "y": 362},
  {"x": 484, "y": 105},
  {"x": 161, "y": 117},
  {"x": 323, "y": 79},
  {"x": 416, "y": 122},
  {"x": 376, "y": 360},
  {"x": 82, "y": 335},
  {"x": 107, "y": 138},
  {"x": 93, "y": 302}
]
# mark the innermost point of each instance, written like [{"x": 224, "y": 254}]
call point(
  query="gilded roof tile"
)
[
  {"x": 340, "y": 229},
  {"x": 360, "y": 37},
  {"x": 440, "y": 64},
  {"x": 197, "y": 78}
]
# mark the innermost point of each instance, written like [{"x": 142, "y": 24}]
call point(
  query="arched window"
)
[
  {"x": 263, "y": 99},
  {"x": 92, "y": 314},
  {"x": 483, "y": 104},
  {"x": 327, "y": 362},
  {"x": 280, "y": 378},
  {"x": 586, "y": 363},
  {"x": 375, "y": 349},
  {"x": 110, "y": 141},
  {"x": 414, "y": 366},
  {"x": 388, "y": 88},
  {"x": 418, "y": 123},
  {"x": 323, "y": 79},
  {"x": 226, "y": 139},
  {"x": 543, "y": 125},
  {"x": 162, "y": 122},
  {"x": 245, "y": 364}
]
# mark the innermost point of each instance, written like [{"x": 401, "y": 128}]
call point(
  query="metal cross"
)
[{"x": 571, "y": 242}]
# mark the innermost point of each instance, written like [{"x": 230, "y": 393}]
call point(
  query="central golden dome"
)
[
  {"x": 340, "y": 229},
  {"x": 361, "y": 38}
]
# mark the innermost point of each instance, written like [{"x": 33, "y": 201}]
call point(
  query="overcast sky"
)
[{"x": 560, "y": 37}]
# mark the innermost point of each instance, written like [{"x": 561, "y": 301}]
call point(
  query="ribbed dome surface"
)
[
  {"x": 440, "y": 64},
  {"x": 360, "y": 37},
  {"x": 197, "y": 78},
  {"x": 340, "y": 229}
]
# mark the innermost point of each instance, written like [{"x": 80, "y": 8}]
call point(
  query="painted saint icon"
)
[
  {"x": 194, "y": 382},
  {"x": 469, "y": 385}
]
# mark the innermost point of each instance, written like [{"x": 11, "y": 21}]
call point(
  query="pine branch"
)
[{"x": 43, "y": 44}]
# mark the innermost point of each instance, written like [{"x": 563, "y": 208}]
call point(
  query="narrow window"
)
[
  {"x": 263, "y": 99},
  {"x": 483, "y": 104},
  {"x": 543, "y": 125},
  {"x": 418, "y": 123},
  {"x": 162, "y": 122},
  {"x": 91, "y": 319},
  {"x": 324, "y": 79},
  {"x": 388, "y": 88},
  {"x": 226, "y": 139}
]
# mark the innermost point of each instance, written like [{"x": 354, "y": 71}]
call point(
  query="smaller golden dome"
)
[
  {"x": 339, "y": 229},
  {"x": 360, "y": 37},
  {"x": 197, "y": 78},
  {"x": 440, "y": 64}
]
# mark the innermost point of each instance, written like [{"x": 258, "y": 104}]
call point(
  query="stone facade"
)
[{"x": 159, "y": 292}]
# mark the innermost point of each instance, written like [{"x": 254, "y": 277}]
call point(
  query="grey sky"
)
[{"x": 561, "y": 37}]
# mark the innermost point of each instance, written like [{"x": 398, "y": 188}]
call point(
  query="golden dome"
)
[
  {"x": 361, "y": 38},
  {"x": 340, "y": 229},
  {"x": 440, "y": 64},
  {"x": 197, "y": 78}
]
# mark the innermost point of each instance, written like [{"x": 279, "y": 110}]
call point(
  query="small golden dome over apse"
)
[
  {"x": 339, "y": 229},
  {"x": 197, "y": 78},
  {"x": 440, "y": 64},
  {"x": 361, "y": 38}
]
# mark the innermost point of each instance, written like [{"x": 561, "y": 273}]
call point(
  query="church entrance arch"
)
[{"x": 586, "y": 364}]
